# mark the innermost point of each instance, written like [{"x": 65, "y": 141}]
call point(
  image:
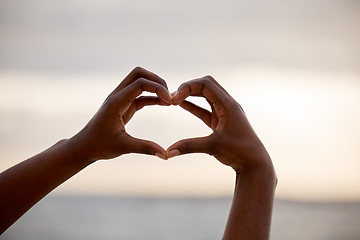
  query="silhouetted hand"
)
[
  {"x": 105, "y": 136},
  {"x": 233, "y": 141}
]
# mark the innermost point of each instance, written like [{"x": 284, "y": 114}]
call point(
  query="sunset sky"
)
[{"x": 292, "y": 65}]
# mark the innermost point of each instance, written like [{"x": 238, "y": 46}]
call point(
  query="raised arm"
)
[
  {"x": 103, "y": 137},
  {"x": 234, "y": 143}
]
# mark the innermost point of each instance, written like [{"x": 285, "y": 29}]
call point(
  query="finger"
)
[
  {"x": 190, "y": 145},
  {"x": 199, "y": 112},
  {"x": 136, "y": 145},
  {"x": 223, "y": 89},
  {"x": 202, "y": 87},
  {"x": 137, "y": 73},
  {"x": 214, "y": 119},
  {"x": 128, "y": 94},
  {"x": 217, "y": 84},
  {"x": 138, "y": 104}
]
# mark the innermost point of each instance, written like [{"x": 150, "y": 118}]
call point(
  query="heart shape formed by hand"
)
[
  {"x": 177, "y": 98},
  {"x": 128, "y": 98},
  {"x": 166, "y": 125},
  {"x": 231, "y": 133}
]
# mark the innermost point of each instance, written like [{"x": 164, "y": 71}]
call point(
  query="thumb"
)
[
  {"x": 136, "y": 145},
  {"x": 190, "y": 145}
]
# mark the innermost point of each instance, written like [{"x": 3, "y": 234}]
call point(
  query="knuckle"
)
[
  {"x": 205, "y": 81},
  {"x": 209, "y": 78},
  {"x": 140, "y": 82},
  {"x": 162, "y": 82},
  {"x": 138, "y": 70}
]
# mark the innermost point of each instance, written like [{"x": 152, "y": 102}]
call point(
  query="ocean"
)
[{"x": 80, "y": 217}]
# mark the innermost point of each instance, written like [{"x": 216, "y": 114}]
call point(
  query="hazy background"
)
[{"x": 293, "y": 65}]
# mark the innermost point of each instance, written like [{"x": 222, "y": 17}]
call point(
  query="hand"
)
[
  {"x": 233, "y": 141},
  {"x": 105, "y": 137}
]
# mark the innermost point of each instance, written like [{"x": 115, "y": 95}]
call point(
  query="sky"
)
[{"x": 292, "y": 65}]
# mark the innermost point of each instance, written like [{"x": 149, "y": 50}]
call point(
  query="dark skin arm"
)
[
  {"x": 104, "y": 137},
  {"x": 234, "y": 143}
]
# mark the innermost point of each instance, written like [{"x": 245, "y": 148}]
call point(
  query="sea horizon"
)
[{"x": 151, "y": 217}]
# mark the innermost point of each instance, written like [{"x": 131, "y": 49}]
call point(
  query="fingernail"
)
[
  {"x": 172, "y": 96},
  {"x": 169, "y": 100},
  {"x": 172, "y": 153},
  {"x": 160, "y": 155},
  {"x": 173, "y": 93}
]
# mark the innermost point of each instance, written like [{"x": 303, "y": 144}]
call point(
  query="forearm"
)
[
  {"x": 251, "y": 210},
  {"x": 26, "y": 183}
]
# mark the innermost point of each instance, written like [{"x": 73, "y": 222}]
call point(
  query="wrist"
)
[
  {"x": 256, "y": 157},
  {"x": 75, "y": 151},
  {"x": 264, "y": 174}
]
